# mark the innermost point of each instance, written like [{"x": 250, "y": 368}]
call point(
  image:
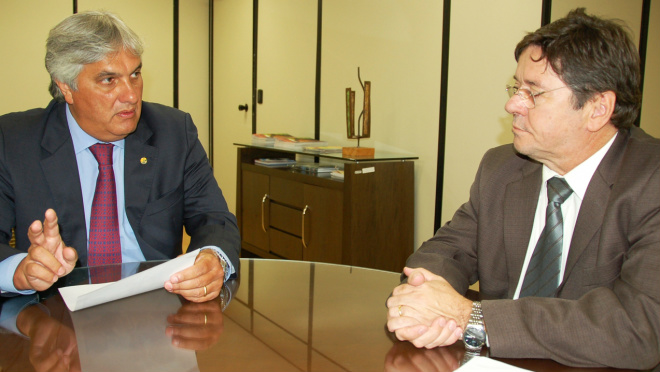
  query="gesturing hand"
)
[{"x": 48, "y": 257}]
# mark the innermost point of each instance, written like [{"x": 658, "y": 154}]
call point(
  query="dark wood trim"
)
[
  {"x": 175, "y": 54},
  {"x": 444, "y": 75},
  {"x": 317, "y": 91},
  {"x": 643, "y": 45},
  {"x": 546, "y": 12},
  {"x": 211, "y": 51},
  {"x": 255, "y": 37}
]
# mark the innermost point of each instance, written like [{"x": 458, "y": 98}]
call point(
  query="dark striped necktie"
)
[{"x": 542, "y": 276}]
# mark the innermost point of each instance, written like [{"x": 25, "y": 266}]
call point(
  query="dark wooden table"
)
[{"x": 284, "y": 316}]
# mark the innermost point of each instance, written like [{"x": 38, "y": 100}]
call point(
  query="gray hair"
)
[{"x": 82, "y": 39}]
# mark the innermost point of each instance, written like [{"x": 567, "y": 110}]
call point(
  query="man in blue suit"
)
[{"x": 163, "y": 178}]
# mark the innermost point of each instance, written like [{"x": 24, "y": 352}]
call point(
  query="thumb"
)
[{"x": 415, "y": 276}]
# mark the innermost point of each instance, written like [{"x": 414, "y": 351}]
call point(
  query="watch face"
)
[{"x": 474, "y": 337}]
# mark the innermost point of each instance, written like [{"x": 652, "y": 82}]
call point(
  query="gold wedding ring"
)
[
  {"x": 205, "y": 291},
  {"x": 400, "y": 313}
]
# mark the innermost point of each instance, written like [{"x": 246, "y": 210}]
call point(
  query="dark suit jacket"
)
[
  {"x": 175, "y": 188},
  {"x": 608, "y": 306}
]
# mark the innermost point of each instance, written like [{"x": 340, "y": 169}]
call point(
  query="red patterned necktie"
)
[{"x": 104, "y": 245}]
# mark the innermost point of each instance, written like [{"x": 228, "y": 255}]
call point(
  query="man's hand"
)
[
  {"x": 48, "y": 257},
  {"x": 200, "y": 282},
  {"x": 427, "y": 311}
]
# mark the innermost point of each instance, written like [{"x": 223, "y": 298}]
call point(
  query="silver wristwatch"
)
[{"x": 475, "y": 336}]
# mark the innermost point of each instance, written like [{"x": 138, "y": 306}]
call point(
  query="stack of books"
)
[
  {"x": 275, "y": 162},
  {"x": 297, "y": 143},
  {"x": 315, "y": 168},
  {"x": 267, "y": 139}
]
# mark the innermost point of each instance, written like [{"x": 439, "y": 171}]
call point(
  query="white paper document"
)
[
  {"x": 82, "y": 296},
  {"x": 480, "y": 364}
]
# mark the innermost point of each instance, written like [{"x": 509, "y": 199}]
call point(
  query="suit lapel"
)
[
  {"x": 520, "y": 201},
  {"x": 140, "y": 161},
  {"x": 592, "y": 210},
  {"x": 64, "y": 181}
]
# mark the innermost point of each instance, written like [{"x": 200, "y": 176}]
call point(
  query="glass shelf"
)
[{"x": 378, "y": 156}]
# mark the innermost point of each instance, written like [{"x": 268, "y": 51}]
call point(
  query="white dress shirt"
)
[{"x": 578, "y": 179}]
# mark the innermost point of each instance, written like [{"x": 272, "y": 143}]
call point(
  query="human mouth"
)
[{"x": 126, "y": 114}]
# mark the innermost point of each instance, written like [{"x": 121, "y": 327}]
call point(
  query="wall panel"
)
[
  {"x": 232, "y": 86},
  {"x": 481, "y": 63},
  {"x": 24, "y": 26},
  {"x": 194, "y": 64},
  {"x": 152, "y": 21},
  {"x": 650, "y": 115},
  {"x": 286, "y": 67},
  {"x": 397, "y": 45}
]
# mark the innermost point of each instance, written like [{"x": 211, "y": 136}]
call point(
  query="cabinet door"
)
[
  {"x": 322, "y": 224},
  {"x": 255, "y": 209}
]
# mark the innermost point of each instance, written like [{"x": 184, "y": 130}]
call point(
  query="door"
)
[{"x": 232, "y": 86}]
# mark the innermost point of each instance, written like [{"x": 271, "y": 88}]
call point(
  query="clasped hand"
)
[{"x": 427, "y": 311}]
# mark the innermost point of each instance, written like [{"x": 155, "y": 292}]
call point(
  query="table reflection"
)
[{"x": 285, "y": 316}]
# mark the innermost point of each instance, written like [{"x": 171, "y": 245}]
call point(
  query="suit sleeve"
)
[{"x": 207, "y": 218}]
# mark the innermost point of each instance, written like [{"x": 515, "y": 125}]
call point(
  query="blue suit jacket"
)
[{"x": 174, "y": 189}]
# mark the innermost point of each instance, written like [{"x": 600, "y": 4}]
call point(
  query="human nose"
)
[
  {"x": 130, "y": 91},
  {"x": 515, "y": 105}
]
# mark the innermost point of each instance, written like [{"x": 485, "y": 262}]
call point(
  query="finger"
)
[
  {"x": 448, "y": 334},
  {"x": 411, "y": 333},
  {"x": 42, "y": 257},
  {"x": 400, "y": 322},
  {"x": 51, "y": 228},
  {"x": 70, "y": 256},
  {"x": 189, "y": 318},
  {"x": 195, "y": 343},
  {"x": 35, "y": 233},
  {"x": 39, "y": 277}
]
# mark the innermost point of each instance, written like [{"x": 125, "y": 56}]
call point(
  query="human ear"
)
[
  {"x": 602, "y": 108},
  {"x": 66, "y": 91}
]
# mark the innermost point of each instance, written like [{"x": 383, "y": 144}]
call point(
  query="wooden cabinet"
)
[{"x": 365, "y": 220}]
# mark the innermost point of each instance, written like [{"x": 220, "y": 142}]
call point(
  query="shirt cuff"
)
[
  {"x": 220, "y": 253},
  {"x": 7, "y": 269}
]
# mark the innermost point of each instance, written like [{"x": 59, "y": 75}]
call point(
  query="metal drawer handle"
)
[
  {"x": 304, "y": 212},
  {"x": 263, "y": 212}
]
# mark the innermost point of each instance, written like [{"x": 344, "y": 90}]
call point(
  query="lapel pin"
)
[{"x": 143, "y": 161}]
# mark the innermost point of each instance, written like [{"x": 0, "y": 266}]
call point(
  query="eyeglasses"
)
[{"x": 528, "y": 98}]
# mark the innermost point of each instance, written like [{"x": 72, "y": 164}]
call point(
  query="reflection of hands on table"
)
[
  {"x": 196, "y": 326},
  {"x": 404, "y": 357},
  {"x": 53, "y": 345}
]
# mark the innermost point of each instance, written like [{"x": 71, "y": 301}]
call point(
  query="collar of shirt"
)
[
  {"x": 81, "y": 140},
  {"x": 579, "y": 177}
]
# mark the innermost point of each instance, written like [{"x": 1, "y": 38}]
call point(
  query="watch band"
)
[{"x": 474, "y": 336}]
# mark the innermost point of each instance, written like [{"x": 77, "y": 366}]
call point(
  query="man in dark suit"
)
[
  {"x": 163, "y": 178},
  {"x": 587, "y": 294}
]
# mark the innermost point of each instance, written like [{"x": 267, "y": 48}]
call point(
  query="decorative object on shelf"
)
[{"x": 364, "y": 121}]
